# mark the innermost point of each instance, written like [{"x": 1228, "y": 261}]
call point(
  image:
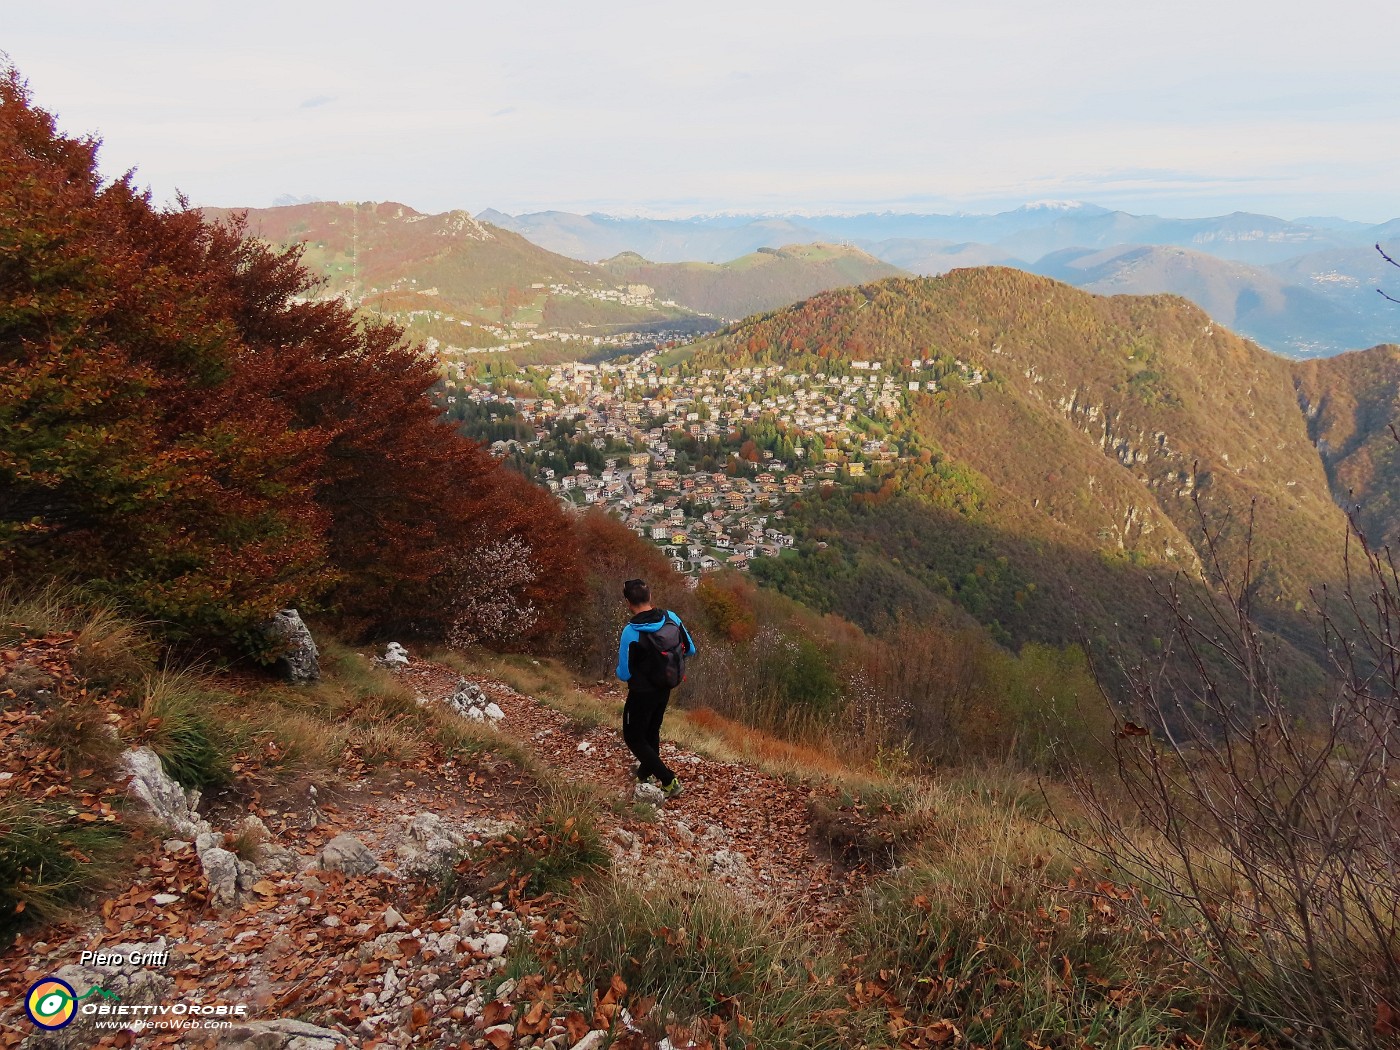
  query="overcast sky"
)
[{"x": 1188, "y": 107}]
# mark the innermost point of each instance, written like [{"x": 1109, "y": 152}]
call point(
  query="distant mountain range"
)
[{"x": 1303, "y": 288}]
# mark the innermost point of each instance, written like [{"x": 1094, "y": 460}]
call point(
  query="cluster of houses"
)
[
  {"x": 626, "y": 295},
  {"x": 636, "y": 409},
  {"x": 521, "y": 334},
  {"x": 702, "y": 520}
]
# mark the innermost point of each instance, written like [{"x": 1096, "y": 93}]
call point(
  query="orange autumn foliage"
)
[{"x": 187, "y": 431}]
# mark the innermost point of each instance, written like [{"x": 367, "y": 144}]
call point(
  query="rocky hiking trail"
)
[{"x": 321, "y": 916}]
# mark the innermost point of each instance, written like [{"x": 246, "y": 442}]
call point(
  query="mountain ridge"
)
[
  {"x": 1093, "y": 425},
  {"x": 462, "y": 283},
  {"x": 1352, "y": 404},
  {"x": 1328, "y": 269},
  {"x": 754, "y": 283}
]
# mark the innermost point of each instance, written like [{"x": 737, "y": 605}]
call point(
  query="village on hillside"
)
[
  {"x": 441, "y": 327},
  {"x": 705, "y": 462}
]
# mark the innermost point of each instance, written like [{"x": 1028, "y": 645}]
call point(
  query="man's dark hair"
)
[{"x": 636, "y": 592}]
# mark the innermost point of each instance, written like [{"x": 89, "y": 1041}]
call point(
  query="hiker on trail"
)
[{"x": 651, "y": 660}]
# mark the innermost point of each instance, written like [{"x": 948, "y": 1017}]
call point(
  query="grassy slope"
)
[
  {"x": 985, "y": 894},
  {"x": 754, "y": 283}
]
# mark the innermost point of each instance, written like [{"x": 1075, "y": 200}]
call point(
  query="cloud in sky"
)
[{"x": 1181, "y": 108}]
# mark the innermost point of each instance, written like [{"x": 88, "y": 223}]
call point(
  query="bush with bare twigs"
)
[{"x": 1279, "y": 834}]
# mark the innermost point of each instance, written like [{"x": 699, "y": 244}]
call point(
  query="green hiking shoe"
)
[{"x": 673, "y": 789}]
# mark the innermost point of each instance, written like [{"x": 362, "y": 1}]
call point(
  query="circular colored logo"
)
[{"x": 51, "y": 1003}]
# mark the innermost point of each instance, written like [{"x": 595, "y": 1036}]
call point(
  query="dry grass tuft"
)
[
  {"x": 386, "y": 742},
  {"x": 83, "y": 735}
]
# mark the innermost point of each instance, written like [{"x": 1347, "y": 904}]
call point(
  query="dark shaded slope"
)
[{"x": 1352, "y": 402}]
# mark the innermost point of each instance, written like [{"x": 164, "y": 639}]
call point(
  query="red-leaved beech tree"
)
[{"x": 184, "y": 426}]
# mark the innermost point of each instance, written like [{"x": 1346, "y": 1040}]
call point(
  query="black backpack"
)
[{"x": 668, "y": 649}]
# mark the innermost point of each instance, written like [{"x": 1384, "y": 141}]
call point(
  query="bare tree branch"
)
[
  {"x": 1392, "y": 262},
  {"x": 1277, "y": 832}
]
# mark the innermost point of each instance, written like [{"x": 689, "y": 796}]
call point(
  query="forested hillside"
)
[
  {"x": 1061, "y": 440},
  {"x": 193, "y": 435}
]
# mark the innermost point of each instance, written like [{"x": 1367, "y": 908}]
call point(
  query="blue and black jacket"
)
[{"x": 630, "y": 650}]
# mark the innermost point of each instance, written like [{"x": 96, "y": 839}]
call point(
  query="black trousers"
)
[{"x": 641, "y": 730}]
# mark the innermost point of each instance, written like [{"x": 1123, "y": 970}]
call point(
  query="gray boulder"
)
[
  {"x": 395, "y": 655},
  {"x": 424, "y": 843},
  {"x": 166, "y": 800},
  {"x": 469, "y": 701},
  {"x": 730, "y": 863},
  {"x": 221, "y": 868},
  {"x": 649, "y": 793},
  {"x": 346, "y": 853},
  {"x": 300, "y": 660}
]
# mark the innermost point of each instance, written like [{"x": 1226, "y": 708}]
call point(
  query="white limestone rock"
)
[
  {"x": 222, "y": 870},
  {"x": 283, "y": 1033},
  {"x": 728, "y": 862},
  {"x": 466, "y": 696},
  {"x": 470, "y": 701},
  {"x": 395, "y": 655},
  {"x": 169, "y": 803},
  {"x": 494, "y": 945},
  {"x": 423, "y": 843}
]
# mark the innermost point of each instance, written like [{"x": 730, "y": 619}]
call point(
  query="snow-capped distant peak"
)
[{"x": 1048, "y": 205}]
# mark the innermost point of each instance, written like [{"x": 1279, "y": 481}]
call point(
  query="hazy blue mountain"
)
[
  {"x": 1387, "y": 234},
  {"x": 929, "y": 258},
  {"x": 596, "y": 237},
  {"x": 1332, "y": 222},
  {"x": 755, "y": 283},
  {"x": 1287, "y": 316},
  {"x": 1028, "y": 232},
  {"x": 1302, "y": 287},
  {"x": 1350, "y": 278}
]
